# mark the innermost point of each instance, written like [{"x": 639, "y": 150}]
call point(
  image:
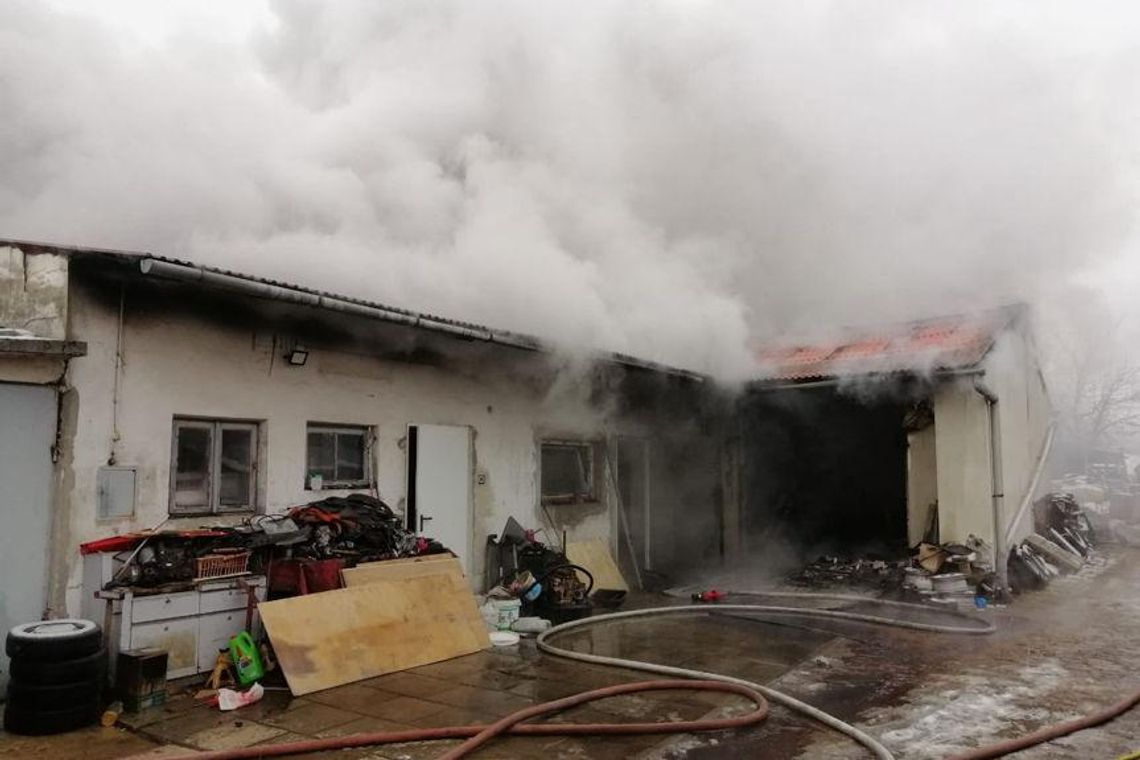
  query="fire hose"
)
[
  {"x": 478, "y": 735},
  {"x": 869, "y": 742},
  {"x": 1049, "y": 733}
]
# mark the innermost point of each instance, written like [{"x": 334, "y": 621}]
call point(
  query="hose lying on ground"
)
[
  {"x": 878, "y": 750},
  {"x": 479, "y": 735},
  {"x": 1049, "y": 733},
  {"x": 975, "y": 625},
  {"x": 998, "y": 749}
]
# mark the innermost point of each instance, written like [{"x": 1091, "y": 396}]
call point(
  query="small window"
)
[
  {"x": 214, "y": 467},
  {"x": 567, "y": 472},
  {"x": 340, "y": 455}
]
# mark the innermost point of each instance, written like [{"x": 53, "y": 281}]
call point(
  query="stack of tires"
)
[{"x": 57, "y": 676}]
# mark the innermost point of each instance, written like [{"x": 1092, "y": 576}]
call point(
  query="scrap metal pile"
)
[
  {"x": 353, "y": 529},
  {"x": 1064, "y": 521},
  {"x": 358, "y": 528},
  {"x": 955, "y": 574},
  {"x": 1064, "y": 541},
  {"x": 838, "y": 571},
  {"x": 547, "y": 583}
]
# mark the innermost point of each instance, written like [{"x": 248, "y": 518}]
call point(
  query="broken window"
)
[
  {"x": 339, "y": 456},
  {"x": 567, "y": 472},
  {"x": 214, "y": 467}
]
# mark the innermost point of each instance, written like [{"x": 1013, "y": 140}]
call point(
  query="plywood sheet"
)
[
  {"x": 397, "y": 569},
  {"x": 595, "y": 556},
  {"x": 409, "y": 560},
  {"x": 338, "y": 637}
]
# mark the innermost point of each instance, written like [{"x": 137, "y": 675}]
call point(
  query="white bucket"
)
[{"x": 508, "y": 612}]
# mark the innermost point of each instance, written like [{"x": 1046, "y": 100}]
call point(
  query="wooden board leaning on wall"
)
[{"x": 369, "y": 629}]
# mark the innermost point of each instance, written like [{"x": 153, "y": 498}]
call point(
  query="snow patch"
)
[{"x": 953, "y": 713}]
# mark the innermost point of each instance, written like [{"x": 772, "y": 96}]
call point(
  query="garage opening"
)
[{"x": 825, "y": 472}]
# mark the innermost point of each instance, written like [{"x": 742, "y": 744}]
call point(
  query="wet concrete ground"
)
[
  {"x": 1060, "y": 651},
  {"x": 467, "y": 690}
]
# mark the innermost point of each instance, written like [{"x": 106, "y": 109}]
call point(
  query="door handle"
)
[{"x": 424, "y": 519}]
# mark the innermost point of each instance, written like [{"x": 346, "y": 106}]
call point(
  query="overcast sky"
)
[{"x": 672, "y": 179}]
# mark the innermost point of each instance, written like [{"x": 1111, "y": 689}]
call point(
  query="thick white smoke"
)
[{"x": 669, "y": 179}]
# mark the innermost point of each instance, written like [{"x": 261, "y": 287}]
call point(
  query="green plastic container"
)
[{"x": 246, "y": 659}]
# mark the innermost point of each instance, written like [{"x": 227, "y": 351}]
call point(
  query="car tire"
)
[
  {"x": 91, "y": 667},
  {"x": 36, "y": 698},
  {"x": 23, "y": 722},
  {"x": 53, "y": 640}
]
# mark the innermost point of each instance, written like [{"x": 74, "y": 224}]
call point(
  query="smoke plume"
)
[{"x": 672, "y": 179}]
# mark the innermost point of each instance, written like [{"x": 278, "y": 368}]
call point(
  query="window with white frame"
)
[
  {"x": 213, "y": 466},
  {"x": 567, "y": 472},
  {"x": 339, "y": 455}
]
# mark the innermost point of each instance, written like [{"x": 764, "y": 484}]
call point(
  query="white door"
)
[
  {"x": 439, "y": 486},
  {"x": 27, "y": 429}
]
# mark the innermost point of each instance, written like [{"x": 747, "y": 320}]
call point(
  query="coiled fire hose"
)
[
  {"x": 692, "y": 679},
  {"x": 974, "y": 627}
]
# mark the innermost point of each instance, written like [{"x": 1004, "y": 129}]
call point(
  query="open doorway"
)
[
  {"x": 823, "y": 472},
  {"x": 633, "y": 482}
]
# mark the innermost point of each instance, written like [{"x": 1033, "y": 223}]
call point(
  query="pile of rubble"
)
[
  {"x": 963, "y": 574},
  {"x": 839, "y": 571},
  {"x": 1063, "y": 541},
  {"x": 954, "y": 574},
  {"x": 357, "y": 528},
  {"x": 342, "y": 530}
]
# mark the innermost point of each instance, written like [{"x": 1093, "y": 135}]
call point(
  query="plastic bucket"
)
[{"x": 508, "y": 612}]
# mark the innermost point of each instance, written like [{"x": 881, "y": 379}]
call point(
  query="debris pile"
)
[
  {"x": 352, "y": 529},
  {"x": 359, "y": 528},
  {"x": 545, "y": 581},
  {"x": 839, "y": 571},
  {"x": 1059, "y": 517},
  {"x": 1063, "y": 542},
  {"x": 958, "y": 574}
]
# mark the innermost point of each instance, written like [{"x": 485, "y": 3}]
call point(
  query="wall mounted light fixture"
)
[{"x": 298, "y": 356}]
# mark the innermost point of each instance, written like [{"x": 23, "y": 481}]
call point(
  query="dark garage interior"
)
[{"x": 823, "y": 470}]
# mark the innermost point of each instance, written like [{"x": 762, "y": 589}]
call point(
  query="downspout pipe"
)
[
  {"x": 1027, "y": 499},
  {"x": 1001, "y": 569}
]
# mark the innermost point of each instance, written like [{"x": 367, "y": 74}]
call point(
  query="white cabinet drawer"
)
[
  {"x": 178, "y": 637},
  {"x": 214, "y": 634},
  {"x": 164, "y": 606},
  {"x": 222, "y": 601}
]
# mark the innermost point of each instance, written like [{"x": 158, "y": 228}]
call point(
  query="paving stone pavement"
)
[
  {"x": 1071, "y": 646},
  {"x": 469, "y": 690}
]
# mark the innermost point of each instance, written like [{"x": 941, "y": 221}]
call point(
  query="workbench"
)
[{"x": 192, "y": 621}]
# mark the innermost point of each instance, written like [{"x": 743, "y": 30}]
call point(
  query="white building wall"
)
[
  {"x": 965, "y": 495},
  {"x": 1025, "y": 414},
  {"x": 180, "y": 365},
  {"x": 921, "y": 481},
  {"x": 961, "y": 429}
]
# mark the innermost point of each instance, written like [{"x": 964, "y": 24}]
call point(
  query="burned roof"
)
[
  {"x": 213, "y": 277},
  {"x": 941, "y": 344}
]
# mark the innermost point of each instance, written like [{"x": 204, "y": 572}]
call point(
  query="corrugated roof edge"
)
[
  {"x": 1005, "y": 317},
  {"x": 326, "y": 299}
]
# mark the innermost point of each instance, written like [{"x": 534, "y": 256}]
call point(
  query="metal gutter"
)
[
  {"x": 837, "y": 380},
  {"x": 250, "y": 286},
  {"x": 42, "y": 347}
]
